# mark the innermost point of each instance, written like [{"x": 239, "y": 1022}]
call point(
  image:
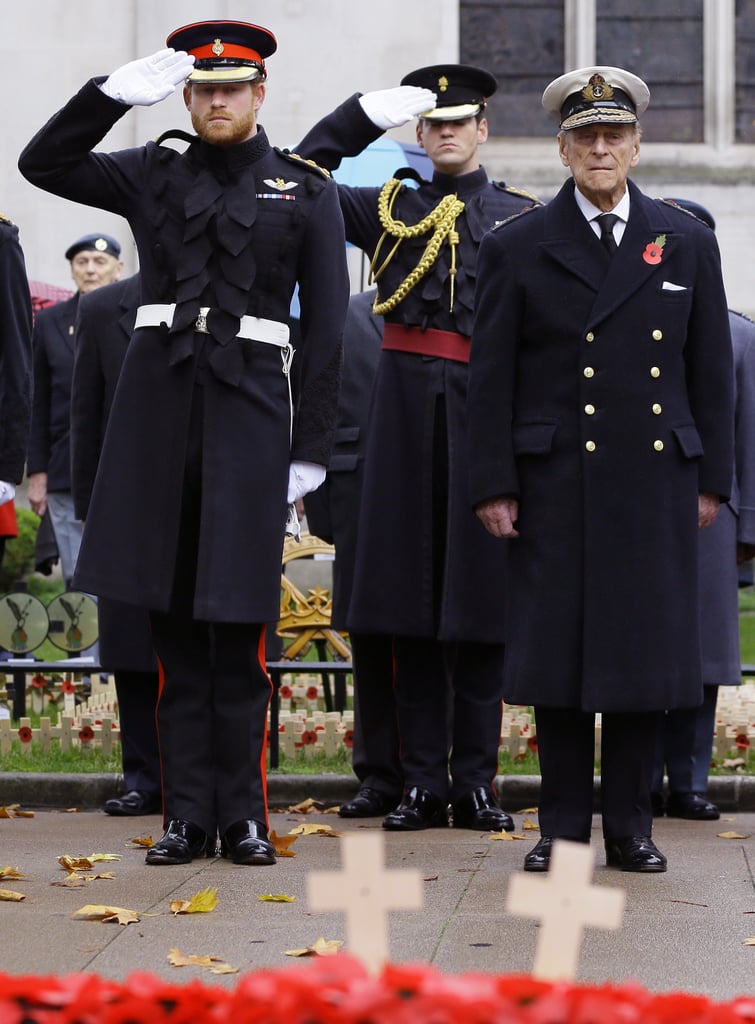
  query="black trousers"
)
[
  {"x": 448, "y": 695},
  {"x": 566, "y": 747},
  {"x": 376, "y": 739},
  {"x": 212, "y": 720},
  {"x": 137, "y": 709}
]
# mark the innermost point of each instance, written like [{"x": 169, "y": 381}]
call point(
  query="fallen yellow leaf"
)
[
  {"x": 281, "y": 844},
  {"x": 306, "y": 807},
  {"x": 178, "y": 959},
  {"x": 85, "y": 863},
  {"x": 9, "y": 872},
  {"x": 9, "y": 896},
  {"x": 310, "y": 830},
  {"x": 528, "y": 810},
  {"x": 141, "y": 841},
  {"x": 507, "y": 836},
  {"x": 322, "y": 947},
  {"x": 530, "y": 826},
  {"x": 750, "y": 941},
  {"x": 98, "y": 912},
  {"x": 14, "y": 811},
  {"x": 731, "y": 835},
  {"x": 200, "y": 903},
  {"x": 278, "y": 897}
]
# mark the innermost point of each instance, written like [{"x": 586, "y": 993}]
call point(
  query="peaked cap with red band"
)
[{"x": 225, "y": 51}]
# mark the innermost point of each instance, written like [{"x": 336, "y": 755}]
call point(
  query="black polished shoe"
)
[
  {"x": 368, "y": 803},
  {"x": 418, "y": 809},
  {"x": 181, "y": 843},
  {"x": 634, "y": 853},
  {"x": 539, "y": 857},
  {"x": 246, "y": 842},
  {"x": 136, "y": 801},
  {"x": 692, "y": 806},
  {"x": 479, "y": 811}
]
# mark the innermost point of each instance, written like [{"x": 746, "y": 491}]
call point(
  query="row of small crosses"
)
[{"x": 564, "y": 901}]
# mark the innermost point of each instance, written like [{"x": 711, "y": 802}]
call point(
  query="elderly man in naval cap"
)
[{"x": 600, "y": 409}]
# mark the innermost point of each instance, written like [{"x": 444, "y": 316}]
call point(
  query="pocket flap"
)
[
  {"x": 689, "y": 440},
  {"x": 346, "y": 435},
  {"x": 343, "y": 462},
  {"x": 534, "y": 438}
]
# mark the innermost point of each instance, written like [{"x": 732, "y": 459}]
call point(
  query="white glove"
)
[
  {"x": 7, "y": 492},
  {"x": 149, "y": 79},
  {"x": 303, "y": 477},
  {"x": 390, "y": 108}
]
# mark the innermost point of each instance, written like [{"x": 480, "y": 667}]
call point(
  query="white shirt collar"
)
[{"x": 590, "y": 212}]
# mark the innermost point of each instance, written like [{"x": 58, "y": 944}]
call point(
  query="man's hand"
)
[
  {"x": 38, "y": 493},
  {"x": 707, "y": 509},
  {"x": 498, "y": 516},
  {"x": 390, "y": 108},
  {"x": 303, "y": 477},
  {"x": 150, "y": 79}
]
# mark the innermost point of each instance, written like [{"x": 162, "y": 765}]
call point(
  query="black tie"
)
[{"x": 607, "y": 221}]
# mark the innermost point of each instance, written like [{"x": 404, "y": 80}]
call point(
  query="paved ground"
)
[{"x": 683, "y": 930}]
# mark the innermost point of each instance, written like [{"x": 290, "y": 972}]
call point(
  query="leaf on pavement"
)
[
  {"x": 731, "y": 835},
  {"x": 14, "y": 811},
  {"x": 277, "y": 897},
  {"x": 306, "y": 807},
  {"x": 750, "y": 941},
  {"x": 322, "y": 947},
  {"x": 528, "y": 825},
  {"x": 74, "y": 880},
  {"x": 200, "y": 903},
  {"x": 178, "y": 959},
  {"x": 9, "y": 872},
  {"x": 143, "y": 842},
  {"x": 9, "y": 896},
  {"x": 528, "y": 810},
  {"x": 281, "y": 844},
  {"x": 312, "y": 830},
  {"x": 332, "y": 810},
  {"x": 85, "y": 863},
  {"x": 507, "y": 836},
  {"x": 98, "y": 912}
]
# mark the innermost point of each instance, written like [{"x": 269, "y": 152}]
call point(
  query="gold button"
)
[
  {"x": 654, "y": 371},
  {"x": 657, "y": 409},
  {"x": 658, "y": 445},
  {"x": 589, "y": 409},
  {"x": 590, "y": 446},
  {"x": 588, "y": 371},
  {"x": 657, "y": 335},
  {"x": 589, "y": 336}
]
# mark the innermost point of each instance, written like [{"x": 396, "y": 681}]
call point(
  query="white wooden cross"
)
[
  {"x": 565, "y": 902},
  {"x": 365, "y": 892}
]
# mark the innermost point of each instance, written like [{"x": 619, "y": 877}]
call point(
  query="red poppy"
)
[
  {"x": 743, "y": 741},
  {"x": 38, "y": 681},
  {"x": 86, "y": 734},
  {"x": 311, "y": 693},
  {"x": 308, "y": 737},
  {"x": 532, "y": 744},
  {"x": 653, "y": 253},
  {"x": 25, "y": 734},
  {"x": 286, "y": 692},
  {"x": 67, "y": 686},
  {"x": 348, "y": 738}
]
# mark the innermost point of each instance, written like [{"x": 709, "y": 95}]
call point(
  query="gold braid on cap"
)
[{"x": 442, "y": 221}]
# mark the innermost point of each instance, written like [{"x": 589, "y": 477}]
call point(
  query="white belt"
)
[{"x": 253, "y": 328}]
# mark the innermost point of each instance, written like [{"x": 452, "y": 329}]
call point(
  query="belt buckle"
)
[{"x": 201, "y": 324}]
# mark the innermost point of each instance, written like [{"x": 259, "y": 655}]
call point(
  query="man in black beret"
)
[
  {"x": 95, "y": 261},
  {"x": 600, "y": 421},
  {"x": 210, "y": 438},
  {"x": 426, "y": 573}
]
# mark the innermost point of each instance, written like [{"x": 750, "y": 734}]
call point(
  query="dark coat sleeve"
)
[
  {"x": 87, "y": 401},
  {"x": 15, "y": 356}
]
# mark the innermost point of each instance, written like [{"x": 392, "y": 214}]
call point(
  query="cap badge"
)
[
  {"x": 217, "y": 48},
  {"x": 443, "y": 83},
  {"x": 100, "y": 245},
  {"x": 597, "y": 89}
]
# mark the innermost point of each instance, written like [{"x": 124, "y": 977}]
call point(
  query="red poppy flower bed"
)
[{"x": 338, "y": 990}]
